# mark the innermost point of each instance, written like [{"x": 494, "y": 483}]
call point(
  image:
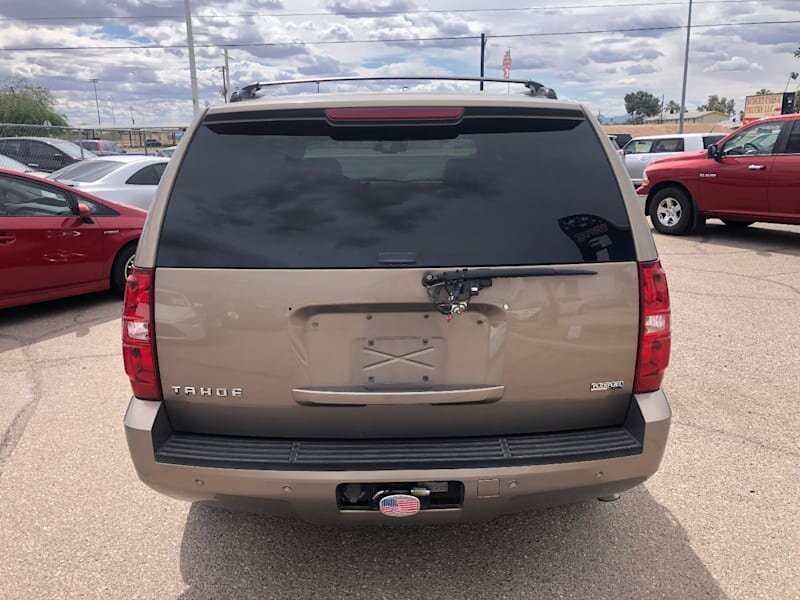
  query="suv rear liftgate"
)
[{"x": 380, "y": 299}]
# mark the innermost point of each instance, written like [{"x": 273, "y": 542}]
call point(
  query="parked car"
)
[
  {"x": 102, "y": 147},
  {"x": 14, "y": 165},
  {"x": 641, "y": 151},
  {"x": 623, "y": 138},
  {"x": 346, "y": 307},
  {"x": 127, "y": 179},
  {"x": 56, "y": 241},
  {"x": 43, "y": 154},
  {"x": 751, "y": 175},
  {"x": 152, "y": 143},
  {"x": 168, "y": 152}
]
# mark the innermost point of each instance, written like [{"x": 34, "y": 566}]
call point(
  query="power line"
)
[
  {"x": 393, "y": 40},
  {"x": 372, "y": 14}
]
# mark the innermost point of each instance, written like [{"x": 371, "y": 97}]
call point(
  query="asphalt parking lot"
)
[{"x": 720, "y": 520}]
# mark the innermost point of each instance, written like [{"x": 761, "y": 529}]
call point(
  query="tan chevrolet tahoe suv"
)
[{"x": 352, "y": 307}]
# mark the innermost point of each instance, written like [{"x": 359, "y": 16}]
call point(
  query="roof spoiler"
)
[{"x": 248, "y": 92}]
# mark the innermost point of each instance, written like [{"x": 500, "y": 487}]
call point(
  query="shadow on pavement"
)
[
  {"x": 25, "y": 325},
  {"x": 759, "y": 237},
  {"x": 632, "y": 548}
]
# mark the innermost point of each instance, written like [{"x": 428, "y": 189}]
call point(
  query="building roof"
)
[{"x": 687, "y": 115}]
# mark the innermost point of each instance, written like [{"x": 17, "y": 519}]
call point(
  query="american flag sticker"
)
[{"x": 399, "y": 505}]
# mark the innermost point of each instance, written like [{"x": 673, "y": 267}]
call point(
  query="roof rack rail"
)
[{"x": 248, "y": 92}]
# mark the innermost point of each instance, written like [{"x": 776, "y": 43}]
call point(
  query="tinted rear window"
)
[
  {"x": 73, "y": 150},
  {"x": 711, "y": 139},
  {"x": 307, "y": 194},
  {"x": 86, "y": 171}
]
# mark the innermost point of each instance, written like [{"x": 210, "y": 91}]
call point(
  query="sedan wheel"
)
[
  {"x": 123, "y": 266},
  {"x": 129, "y": 266}
]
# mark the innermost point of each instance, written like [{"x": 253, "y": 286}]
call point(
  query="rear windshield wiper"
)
[{"x": 450, "y": 291}]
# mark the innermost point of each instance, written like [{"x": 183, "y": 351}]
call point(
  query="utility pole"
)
[
  {"x": 95, "y": 81},
  {"x": 483, "y": 56},
  {"x": 192, "y": 66},
  {"x": 224, "y": 83},
  {"x": 792, "y": 76},
  {"x": 133, "y": 123},
  {"x": 227, "y": 72},
  {"x": 685, "y": 68},
  {"x": 113, "y": 118}
]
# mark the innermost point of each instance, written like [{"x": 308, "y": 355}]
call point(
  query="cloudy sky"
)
[{"x": 285, "y": 39}]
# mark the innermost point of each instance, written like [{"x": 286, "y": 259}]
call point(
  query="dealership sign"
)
[{"x": 768, "y": 105}]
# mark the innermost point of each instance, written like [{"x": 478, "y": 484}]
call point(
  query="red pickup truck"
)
[{"x": 751, "y": 175}]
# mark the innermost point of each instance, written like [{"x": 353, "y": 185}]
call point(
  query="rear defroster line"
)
[{"x": 450, "y": 291}]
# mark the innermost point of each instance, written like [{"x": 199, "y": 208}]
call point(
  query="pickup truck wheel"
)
[
  {"x": 671, "y": 211},
  {"x": 737, "y": 224},
  {"x": 123, "y": 264}
]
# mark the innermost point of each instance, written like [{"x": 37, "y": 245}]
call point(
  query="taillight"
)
[
  {"x": 395, "y": 113},
  {"x": 654, "y": 328},
  {"x": 138, "y": 343}
]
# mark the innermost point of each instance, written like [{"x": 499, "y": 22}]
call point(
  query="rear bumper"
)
[{"x": 309, "y": 492}]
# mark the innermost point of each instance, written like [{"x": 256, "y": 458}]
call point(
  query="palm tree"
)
[{"x": 763, "y": 92}]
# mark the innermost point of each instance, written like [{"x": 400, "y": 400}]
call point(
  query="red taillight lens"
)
[
  {"x": 392, "y": 113},
  {"x": 654, "y": 328},
  {"x": 138, "y": 343}
]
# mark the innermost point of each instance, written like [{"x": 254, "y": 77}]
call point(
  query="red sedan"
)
[{"x": 56, "y": 241}]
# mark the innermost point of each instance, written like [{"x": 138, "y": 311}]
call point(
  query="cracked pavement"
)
[{"x": 721, "y": 519}]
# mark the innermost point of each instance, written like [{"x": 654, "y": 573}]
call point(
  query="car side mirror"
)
[
  {"x": 85, "y": 212},
  {"x": 714, "y": 152}
]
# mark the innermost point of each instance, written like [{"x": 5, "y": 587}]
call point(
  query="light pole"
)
[
  {"x": 113, "y": 118},
  {"x": 792, "y": 76},
  {"x": 95, "y": 81},
  {"x": 685, "y": 69},
  {"x": 224, "y": 90},
  {"x": 483, "y": 56},
  {"x": 227, "y": 71},
  {"x": 133, "y": 124},
  {"x": 192, "y": 66}
]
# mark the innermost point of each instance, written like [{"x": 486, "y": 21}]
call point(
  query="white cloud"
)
[
  {"x": 733, "y": 64},
  {"x": 599, "y": 68}
]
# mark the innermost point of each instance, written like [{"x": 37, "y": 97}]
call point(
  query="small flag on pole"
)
[{"x": 507, "y": 64}]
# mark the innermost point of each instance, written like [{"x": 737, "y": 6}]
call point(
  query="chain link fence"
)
[{"x": 48, "y": 148}]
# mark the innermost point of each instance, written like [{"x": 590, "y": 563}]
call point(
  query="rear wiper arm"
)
[
  {"x": 450, "y": 291},
  {"x": 430, "y": 279}
]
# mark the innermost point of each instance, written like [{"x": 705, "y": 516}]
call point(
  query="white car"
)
[
  {"x": 168, "y": 152},
  {"x": 127, "y": 179},
  {"x": 6, "y": 162},
  {"x": 641, "y": 151}
]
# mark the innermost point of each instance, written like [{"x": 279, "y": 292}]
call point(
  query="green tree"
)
[
  {"x": 673, "y": 107},
  {"x": 764, "y": 92},
  {"x": 715, "y": 103},
  {"x": 642, "y": 104},
  {"x": 26, "y": 104}
]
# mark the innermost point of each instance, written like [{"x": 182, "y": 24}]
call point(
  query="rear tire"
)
[
  {"x": 737, "y": 224},
  {"x": 671, "y": 211},
  {"x": 123, "y": 264}
]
